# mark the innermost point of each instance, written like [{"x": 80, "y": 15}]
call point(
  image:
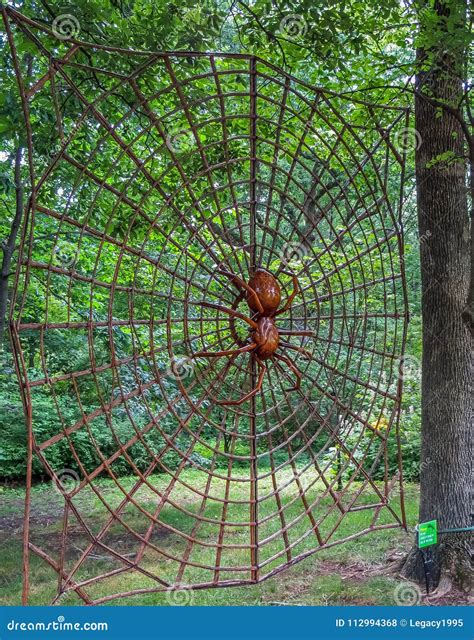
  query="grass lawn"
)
[{"x": 359, "y": 572}]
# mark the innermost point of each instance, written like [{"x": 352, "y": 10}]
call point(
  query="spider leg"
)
[
  {"x": 243, "y": 285},
  {"x": 257, "y": 388},
  {"x": 296, "y": 290},
  {"x": 227, "y": 352},
  {"x": 231, "y": 312},
  {"x": 237, "y": 339},
  {"x": 225, "y": 371},
  {"x": 295, "y": 348},
  {"x": 292, "y": 366}
]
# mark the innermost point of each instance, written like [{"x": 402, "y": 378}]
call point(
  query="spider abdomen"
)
[
  {"x": 267, "y": 289},
  {"x": 266, "y": 338}
]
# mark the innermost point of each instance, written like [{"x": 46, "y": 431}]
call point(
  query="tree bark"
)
[{"x": 445, "y": 265}]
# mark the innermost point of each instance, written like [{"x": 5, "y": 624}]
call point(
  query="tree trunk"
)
[
  {"x": 446, "y": 451},
  {"x": 8, "y": 246}
]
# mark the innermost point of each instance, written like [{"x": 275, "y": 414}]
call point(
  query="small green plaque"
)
[{"x": 427, "y": 533}]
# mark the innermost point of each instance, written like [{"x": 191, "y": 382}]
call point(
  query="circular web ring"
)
[{"x": 213, "y": 161}]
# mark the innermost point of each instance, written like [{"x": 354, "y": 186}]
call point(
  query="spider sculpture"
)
[{"x": 263, "y": 295}]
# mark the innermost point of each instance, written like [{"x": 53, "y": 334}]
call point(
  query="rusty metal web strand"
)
[{"x": 165, "y": 169}]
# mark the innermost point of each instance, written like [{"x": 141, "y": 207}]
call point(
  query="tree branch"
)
[{"x": 270, "y": 36}]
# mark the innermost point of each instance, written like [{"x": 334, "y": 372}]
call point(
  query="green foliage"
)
[
  {"x": 345, "y": 45},
  {"x": 62, "y": 456}
]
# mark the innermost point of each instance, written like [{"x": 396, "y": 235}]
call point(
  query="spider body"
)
[{"x": 263, "y": 296}]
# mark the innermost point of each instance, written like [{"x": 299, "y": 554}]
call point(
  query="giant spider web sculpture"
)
[{"x": 173, "y": 178}]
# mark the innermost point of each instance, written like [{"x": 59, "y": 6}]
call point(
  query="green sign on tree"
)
[{"x": 427, "y": 533}]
